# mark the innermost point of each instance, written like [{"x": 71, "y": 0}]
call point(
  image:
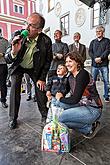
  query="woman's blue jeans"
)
[{"x": 78, "y": 117}]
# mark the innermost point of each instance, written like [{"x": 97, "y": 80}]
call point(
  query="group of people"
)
[{"x": 57, "y": 69}]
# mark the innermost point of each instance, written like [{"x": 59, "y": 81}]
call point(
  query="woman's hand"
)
[{"x": 58, "y": 95}]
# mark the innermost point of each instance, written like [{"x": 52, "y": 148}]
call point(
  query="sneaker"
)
[
  {"x": 93, "y": 132},
  {"x": 4, "y": 105},
  {"x": 106, "y": 100},
  {"x": 28, "y": 98},
  {"x": 34, "y": 99},
  {"x": 12, "y": 124}
]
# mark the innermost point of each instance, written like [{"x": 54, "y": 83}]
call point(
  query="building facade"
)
[
  {"x": 13, "y": 13},
  {"x": 73, "y": 16}
]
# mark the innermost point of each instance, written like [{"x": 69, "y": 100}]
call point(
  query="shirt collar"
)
[
  {"x": 33, "y": 39},
  {"x": 99, "y": 39}
]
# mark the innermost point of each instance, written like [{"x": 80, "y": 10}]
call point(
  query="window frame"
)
[
  {"x": 64, "y": 29},
  {"x": 100, "y": 21},
  {"x": 96, "y": 17},
  {"x": 18, "y": 6}
]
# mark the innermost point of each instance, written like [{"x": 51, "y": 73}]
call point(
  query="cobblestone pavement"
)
[{"x": 22, "y": 146}]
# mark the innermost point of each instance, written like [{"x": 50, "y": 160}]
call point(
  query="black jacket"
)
[
  {"x": 41, "y": 58},
  {"x": 57, "y": 84},
  {"x": 83, "y": 91},
  {"x": 100, "y": 49}
]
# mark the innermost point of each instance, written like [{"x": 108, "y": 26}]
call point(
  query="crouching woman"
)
[{"x": 85, "y": 102}]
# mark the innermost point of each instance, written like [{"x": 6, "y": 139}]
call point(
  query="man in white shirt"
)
[{"x": 77, "y": 46}]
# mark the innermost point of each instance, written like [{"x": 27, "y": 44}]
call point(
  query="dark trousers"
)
[
  {"x": 15, "y": 94},
  {"x": 3, "y": 78}
]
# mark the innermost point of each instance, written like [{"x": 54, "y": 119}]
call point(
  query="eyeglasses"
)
[{"x": 34, "y": 26}]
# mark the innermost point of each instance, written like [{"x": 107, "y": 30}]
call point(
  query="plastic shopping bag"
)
[
  {"x": 55, "y": 138},
  {"x": 54, "y": 113}
]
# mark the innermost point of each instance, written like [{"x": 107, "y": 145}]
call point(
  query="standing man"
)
[
  {"x": 99, "y": 50},
  {"x": 3, "y": 70},
  {"x": 33, "y": 56},
  {"x": 59, "y": 49},
  {"x": 77, "y": 46}
]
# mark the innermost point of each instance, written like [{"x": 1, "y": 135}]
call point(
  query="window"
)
[
  {"x": 99, "y": 16},
  {"x": 64, "y": 24},
  {"x": 103, "y": 11},
  {"x": 50, "y": 5},
  {"x": 1, "y": 32},
  {"x": 18, "y": 9},
  {"x": 96, "y": 14}
]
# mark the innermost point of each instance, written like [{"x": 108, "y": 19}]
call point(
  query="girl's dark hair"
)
[{"x": 76, "y": 57}]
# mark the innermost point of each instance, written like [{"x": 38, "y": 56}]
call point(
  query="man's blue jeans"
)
[
  {"x": 105, "y": 75},
  {"x": 80, "y": 118}
]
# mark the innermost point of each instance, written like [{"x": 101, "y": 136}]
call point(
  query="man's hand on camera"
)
[{"x": 41, "y": 85}]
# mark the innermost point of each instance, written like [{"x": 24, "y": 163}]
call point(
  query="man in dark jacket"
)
[
  {"x": 33, "y": 56},
  {"x": 99, "y": 50},
  {"x": 3, "y": 70},
  {"x": 59, "y": 49}
]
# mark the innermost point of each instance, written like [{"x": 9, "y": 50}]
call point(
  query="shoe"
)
[
  {"x": 107, "y": 100},
  {"x": 34, "y": 99},
  {"x": 13, "y": 124},
  {"x": 8, "y": 83},
  {"x": 29, "y": 98},
  {"x": 4, "y": 105},
  {"x": 93, "y": 132}
]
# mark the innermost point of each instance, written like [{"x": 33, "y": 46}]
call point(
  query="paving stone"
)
[{"x": 22, "y": 146}]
